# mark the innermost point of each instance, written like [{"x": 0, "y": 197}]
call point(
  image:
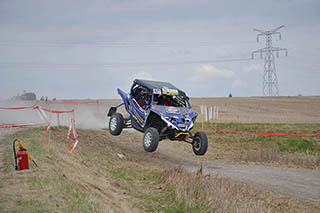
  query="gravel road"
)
[
  {"x": 287, "y": 181},
  {"x": 301, "y": 183}
]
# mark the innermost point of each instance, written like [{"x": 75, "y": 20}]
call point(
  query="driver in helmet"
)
[
  {"x": 167, "y": 100},
  {"x": 143, "y": 100}
]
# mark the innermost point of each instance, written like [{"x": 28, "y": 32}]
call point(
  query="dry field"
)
[
  {"x": 237, "y": 110},
  {"x": 265, "y": 109}
]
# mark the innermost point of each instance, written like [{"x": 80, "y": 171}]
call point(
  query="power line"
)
[
  {"x": 118, "y": 44},
  {"x": 270, "y": 79},
  {"x": 115, "y": 64}
]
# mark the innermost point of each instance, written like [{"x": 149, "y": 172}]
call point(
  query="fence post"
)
[
  {"x": 202, "y": 116},
  {"x": 98, "y": 106},
  {"x": 217, "y": 113},
  {"x": 207, "y": 115},
  {"x": 211, "y": 113},
  {"x": 49, "y": 131},
  {"x": 58, "y": 118}
]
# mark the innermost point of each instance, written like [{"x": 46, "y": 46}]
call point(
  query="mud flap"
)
[{"x": 112, "y": 110}]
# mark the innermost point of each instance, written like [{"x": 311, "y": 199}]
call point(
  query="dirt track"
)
[
  {"x": 299, "y": 183},
  {"x": 294, "y": 182}
]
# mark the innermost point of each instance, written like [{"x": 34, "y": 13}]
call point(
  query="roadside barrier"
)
[
  {"x": 73, "y": 145},
  {"x": 22, "y": 125},
  {"x": 54, "y": 111},
  {"x": 35, "y": 107},
  {"x": 48, "y": 122},
  {"x": 266, "y": 134},
  {"x": 16, "y": 108},
  {"x": 75, "y": 136}
]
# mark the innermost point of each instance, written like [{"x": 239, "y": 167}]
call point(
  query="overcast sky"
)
[{"x": 88, "y": 48}]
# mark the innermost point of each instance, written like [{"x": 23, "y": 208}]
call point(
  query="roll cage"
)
[{"x": 150, "y": 93}]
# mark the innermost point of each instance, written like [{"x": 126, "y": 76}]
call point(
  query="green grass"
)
[
  {"x": 39, "y": 183},
  {"x": 310, "y": 145},
  {"x": 147, "y": 185},
  {"x": 182, "y": 208},
  {"x": 130, "y": 174},
  {"x": 40, "y": 189},
  {"x": 293, "y": 145}
]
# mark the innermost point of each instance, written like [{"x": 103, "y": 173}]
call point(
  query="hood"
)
[{"x": 179, "y": 118}]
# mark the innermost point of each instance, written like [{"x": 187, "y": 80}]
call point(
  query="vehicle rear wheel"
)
[
  {"x": 200, "y": 143},
  {"x": 150, "y": 139},
  {"x": 116, "y": 124}
]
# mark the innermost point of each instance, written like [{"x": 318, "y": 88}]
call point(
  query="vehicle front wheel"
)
[
  {"x": 150, "y": 139},
  {"x": 116, "y": 124},
  {"x": 200, "y": 143}
]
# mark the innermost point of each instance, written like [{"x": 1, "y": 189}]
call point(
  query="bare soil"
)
[{"x": 264, "y": 109}]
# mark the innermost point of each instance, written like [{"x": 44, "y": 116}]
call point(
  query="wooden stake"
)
[
  {"x": 74, "y": 126},
  {"x": 98, "y": 106},
  {"x": 207, "y": 115},
  {"x": 203, "y": 116},
  {"x": 49, "y": 131},
  {"x": 215, "y": 126},
  {"x": 58, "y": 118},
  {"x": 73, "y": 118},
  {"x": 212, "y": 119}
]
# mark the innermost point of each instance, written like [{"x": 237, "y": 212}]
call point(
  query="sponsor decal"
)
[
  {"x": 167, "y": 91},
  {"x": 138, "y": 116},
  {"x": 172, "y": 110}
]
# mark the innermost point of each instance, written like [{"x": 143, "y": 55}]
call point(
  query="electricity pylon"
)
[{"x": 270, "y": 80}]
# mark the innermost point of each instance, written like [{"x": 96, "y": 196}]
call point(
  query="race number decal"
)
[
  {"x": 157, "y": 91},
  {"x": 167, "y": 91}
]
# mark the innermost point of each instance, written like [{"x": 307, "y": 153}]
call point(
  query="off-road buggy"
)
[{"x": 159, "y": 110}]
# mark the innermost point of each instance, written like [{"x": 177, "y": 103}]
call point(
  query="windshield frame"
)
[{"x": 188, "y": 105}]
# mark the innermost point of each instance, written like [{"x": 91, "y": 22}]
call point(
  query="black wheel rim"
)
[{"x": 197, "y": 144}]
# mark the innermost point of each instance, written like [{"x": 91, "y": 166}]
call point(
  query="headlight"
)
[
  {"x": 182, "y": 125},
  {"x": 172, "y": 110}
]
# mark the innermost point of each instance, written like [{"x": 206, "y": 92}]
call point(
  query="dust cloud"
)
[{"x": 87, "y": 116}]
